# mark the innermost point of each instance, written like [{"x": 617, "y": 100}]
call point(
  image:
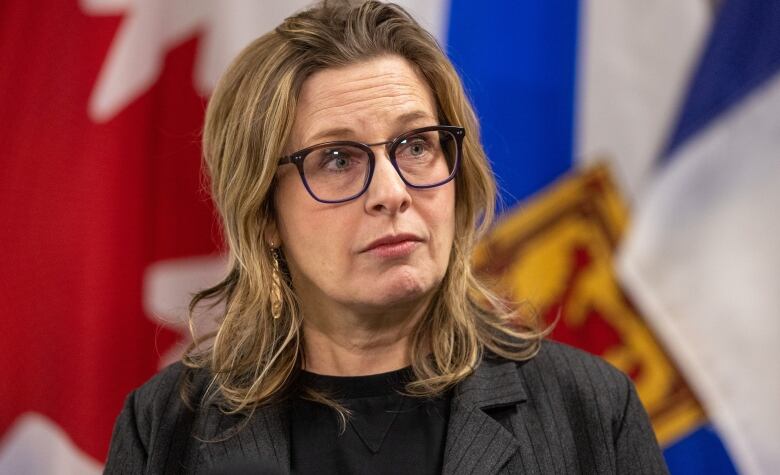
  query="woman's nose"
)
[{"x": 387, "y": 193}]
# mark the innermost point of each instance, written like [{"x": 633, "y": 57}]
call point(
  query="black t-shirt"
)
[{"x": 387, "y": 432}]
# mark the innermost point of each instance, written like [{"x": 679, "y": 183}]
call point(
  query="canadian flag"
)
[
  {"x": 105, "y": 219},
  {"x": 106, "y": 225}
]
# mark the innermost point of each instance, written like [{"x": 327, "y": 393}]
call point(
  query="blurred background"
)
[{"x": 636, "y": 144}]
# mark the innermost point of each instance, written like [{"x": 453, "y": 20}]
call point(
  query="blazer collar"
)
[
  {"x": 475, "y": 441},
  {"x": 494, "y": 383}
]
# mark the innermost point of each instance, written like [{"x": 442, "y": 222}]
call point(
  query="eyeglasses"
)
[{"x": 335, "y": 172}]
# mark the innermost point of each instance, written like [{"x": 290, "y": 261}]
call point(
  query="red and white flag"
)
[{"x": 106, "y": 225}]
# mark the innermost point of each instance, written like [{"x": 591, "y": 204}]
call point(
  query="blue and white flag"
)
[
  {"x": 682, "y": 101},
  {"x": 703, "y": 255}
]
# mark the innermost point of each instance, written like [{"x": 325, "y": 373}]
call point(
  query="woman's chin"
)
[{"x": 399, "y": 288}]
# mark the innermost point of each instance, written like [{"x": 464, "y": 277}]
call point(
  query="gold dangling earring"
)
[{"x": 276, "y": 284}]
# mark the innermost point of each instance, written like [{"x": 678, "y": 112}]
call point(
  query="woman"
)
[{"x": 345, "y": 163}]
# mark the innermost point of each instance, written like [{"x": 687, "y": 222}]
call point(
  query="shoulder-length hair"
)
[{"x": 254, "y": 358}]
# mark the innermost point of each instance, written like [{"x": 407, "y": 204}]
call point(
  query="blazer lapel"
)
[{"x": 475, "y": 442}]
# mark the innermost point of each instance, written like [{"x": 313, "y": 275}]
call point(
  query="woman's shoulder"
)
[
  {"x": 156, "y": 415},
  {"x": 571, "y": 376},
  {"x": 169, "y": 381},
  {"x": 586, "y": 410},
  {"x": 175, "y": 389},
  {"x": 572, "y": 364}
]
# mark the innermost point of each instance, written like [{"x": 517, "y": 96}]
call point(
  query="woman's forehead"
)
[{"x": 363, "y": 98}]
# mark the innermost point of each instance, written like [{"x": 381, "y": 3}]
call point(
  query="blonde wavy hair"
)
[{"x": 254, "y": 358}]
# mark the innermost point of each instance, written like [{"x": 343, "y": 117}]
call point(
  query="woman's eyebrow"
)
[
  {"x": 346, "y": 133},
  {"x": 412, "y": 116},
  {"x": 336, "y": 133}
]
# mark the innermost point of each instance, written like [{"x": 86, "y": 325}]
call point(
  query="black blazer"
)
[{"x": 563, "y": 411}]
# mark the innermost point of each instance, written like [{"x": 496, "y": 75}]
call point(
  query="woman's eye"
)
[
  {"x": 416, "y": 147},
  {"x": 335, "y": 160}
]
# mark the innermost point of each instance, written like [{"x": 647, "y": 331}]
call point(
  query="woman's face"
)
[{"x": 331, "y": 249}]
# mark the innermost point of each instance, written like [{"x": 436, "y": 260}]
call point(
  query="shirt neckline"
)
[{"x": 352, "y": 387}]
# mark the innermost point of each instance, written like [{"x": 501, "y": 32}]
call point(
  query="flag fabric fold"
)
[{"x": 702, "y": 257}]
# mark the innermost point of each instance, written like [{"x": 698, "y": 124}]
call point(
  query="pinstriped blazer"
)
[{"x": 563, "y": 411}]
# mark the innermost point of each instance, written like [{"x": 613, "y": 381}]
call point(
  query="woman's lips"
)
[
  {"x": 393, "y": 246},
  {"x": 395, "y": 249}
]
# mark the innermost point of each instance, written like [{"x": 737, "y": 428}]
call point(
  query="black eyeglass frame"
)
[{"x": 297, "y": 158}]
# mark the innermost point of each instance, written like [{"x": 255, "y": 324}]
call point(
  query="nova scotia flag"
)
[
  {"x": 703, "y": 255},
  {"x": 681, "y": 102}
]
